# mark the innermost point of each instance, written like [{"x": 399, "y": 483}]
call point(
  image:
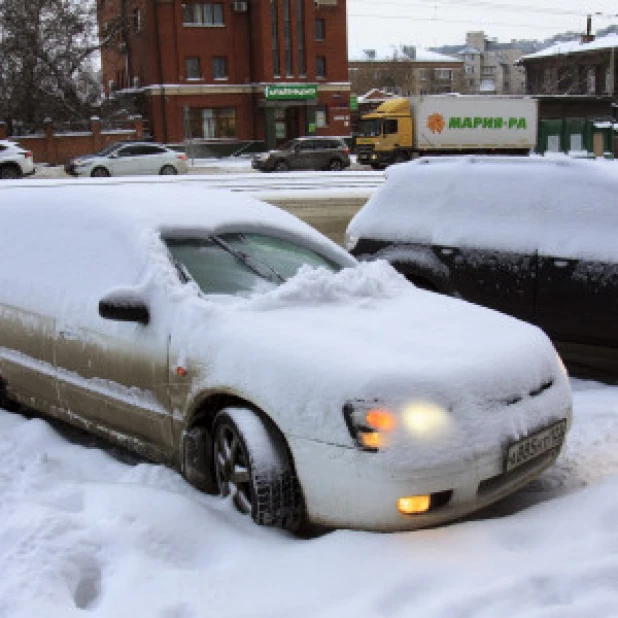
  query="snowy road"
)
[{"x": 81, "y": 531}]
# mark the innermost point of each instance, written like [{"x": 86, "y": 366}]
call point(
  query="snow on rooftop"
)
[
  {"x": 575, "y": 47},
  {"x": 401, "y": 53}
]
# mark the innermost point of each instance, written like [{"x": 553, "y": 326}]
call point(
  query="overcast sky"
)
[{"x": 431, "y": 23}]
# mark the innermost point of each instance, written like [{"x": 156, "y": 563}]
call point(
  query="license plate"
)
[{"x": 533, "y": 446}]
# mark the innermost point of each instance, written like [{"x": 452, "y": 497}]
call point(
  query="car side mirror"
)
[
  {"x": 114, "y": 155},
  {"x": 297, "y": 148},
  {"x": 124, "y": 305}
]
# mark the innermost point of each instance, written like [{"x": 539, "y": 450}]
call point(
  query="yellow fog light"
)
[
  {"x": 413, "y": 504},
  {"x": 372, "y": 440}
]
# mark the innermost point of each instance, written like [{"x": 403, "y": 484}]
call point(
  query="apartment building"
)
[
  {"x": 238, "y": 70},
  {"x": 404, "y": 70},
  {"x": 490, "y": 67}
]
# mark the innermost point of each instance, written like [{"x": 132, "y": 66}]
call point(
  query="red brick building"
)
[{"x": 233, "y": 70}]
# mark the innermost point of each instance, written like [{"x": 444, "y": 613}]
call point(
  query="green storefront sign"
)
[
  {"x": 353, "y": 103},
  {"x": 291, "y": 92}
]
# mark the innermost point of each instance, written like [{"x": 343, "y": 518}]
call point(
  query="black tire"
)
[
  {"x": 376, "y": 166},
  {"x": 281, "y": 166},
  {"x": 252, "y": 465},
  {"x": 99, "y": 172},
  {"x": 168, "y": 170},
  {"x": 10, "y": 171},
  {"x": 335, "y": 165}
]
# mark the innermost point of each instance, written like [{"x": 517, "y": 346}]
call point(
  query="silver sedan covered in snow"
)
[{"x": 226, "y": 338}]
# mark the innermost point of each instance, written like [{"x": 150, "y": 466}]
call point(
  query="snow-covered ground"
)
[{"x": 81, "y": 531}]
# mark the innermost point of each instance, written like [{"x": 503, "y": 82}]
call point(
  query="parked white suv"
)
[
  {"x": 15, "y": 162},
  {"x": 129, "y": 159}
]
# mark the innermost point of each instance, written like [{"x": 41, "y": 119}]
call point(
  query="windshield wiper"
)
[{"x": 255, "y": 266}]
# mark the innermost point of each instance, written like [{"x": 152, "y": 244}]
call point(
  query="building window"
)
[
  {"x": 287, "y": 38},
  {"x": 488, "y": 70},
  {"x": 274, "y": 25},
  {"x": 212, "y": 123},
  {"x": 219, "y": 67},
  {"x": 469, "y": 69},
  {"x": 202, "y": 14},
  {"x": 300, "y": 28},
  {"x": 192, "y": 67},
  {"x": 137, "y": 20},
  {"x": 591, "y": 81},
  {"x": 321, "y": 116},
  {"x": 320, "y": 30},
  {"x": 320, "y": 66},
  {"x": 443, "y": 74}
]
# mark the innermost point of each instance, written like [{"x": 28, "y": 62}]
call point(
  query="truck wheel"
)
[{"x": 252, "y": 465}]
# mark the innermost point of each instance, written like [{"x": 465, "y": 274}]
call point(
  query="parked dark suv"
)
[
  {"x": 532, "y": 237},
  {"x": 305, "y": 153}
]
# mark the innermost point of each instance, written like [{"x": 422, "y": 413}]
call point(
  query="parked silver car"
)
[
  {"x": 227, "y": 338},
  {"x": 129, "y": 159}
]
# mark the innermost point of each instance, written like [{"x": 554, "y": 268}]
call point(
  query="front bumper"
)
[
  {"x": 262, "y": 166},
  {"x": 350, "y": 488}
]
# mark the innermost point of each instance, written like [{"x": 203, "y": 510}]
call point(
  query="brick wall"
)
[{"x": 56, "y": 148}]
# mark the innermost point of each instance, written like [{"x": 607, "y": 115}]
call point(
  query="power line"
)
[
  {"x": 473, "y": 20},
  {"x": 433, "y": 4}
]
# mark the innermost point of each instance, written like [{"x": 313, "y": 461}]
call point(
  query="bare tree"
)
[{"x": 47, "y": 59}]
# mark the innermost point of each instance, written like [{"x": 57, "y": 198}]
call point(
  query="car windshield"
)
[
  {"x": 289, "y": 145},
  {"x": 369, "y": 128},
  {"x": 238, "y": 264}
]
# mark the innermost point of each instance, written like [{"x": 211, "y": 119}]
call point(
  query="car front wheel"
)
[
  {"x": 168, "y": 170},
  {"x": 99, "y": 172},
  {"x": 281, "y": 166},
  {"x": 253, "y": 467}
]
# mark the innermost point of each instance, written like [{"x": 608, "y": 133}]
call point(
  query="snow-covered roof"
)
[
  {"x": 468, "y": 51},
  {"x": 552, "y": 206},
  {"x": 575, "y": 47},
  {"x": 403, "y": 53}
]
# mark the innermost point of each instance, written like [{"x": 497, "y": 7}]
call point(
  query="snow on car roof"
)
[
  {"x": 551, "y": 205},
  {"x": 133, "y": 207}
]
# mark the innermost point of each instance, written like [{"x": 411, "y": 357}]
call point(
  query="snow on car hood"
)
[{"x": 304, "y": 349}]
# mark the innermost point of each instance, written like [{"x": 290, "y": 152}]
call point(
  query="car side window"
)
[
  {"x": 150, "y": 150},
  {"x": 306, "y": 145},
  {"x": 128, "y": 151}
]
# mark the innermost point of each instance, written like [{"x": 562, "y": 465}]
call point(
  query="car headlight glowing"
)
[
  {"x": 425, "y": 419},
  {"x": 371, "y": 427}
]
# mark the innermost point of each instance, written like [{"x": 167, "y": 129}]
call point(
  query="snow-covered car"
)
[
  {"x": 129, "y": 159},
  {"x": 532, "y": 237},
  {"x": 15, "y": 161},
  {"x": 225, "y": 337}
]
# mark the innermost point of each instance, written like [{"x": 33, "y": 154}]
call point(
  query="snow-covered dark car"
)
[
  {"x": 227, "y": 338},
  {"x": 305, "y": 153},
  {"x": 531, "y": 237}
]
